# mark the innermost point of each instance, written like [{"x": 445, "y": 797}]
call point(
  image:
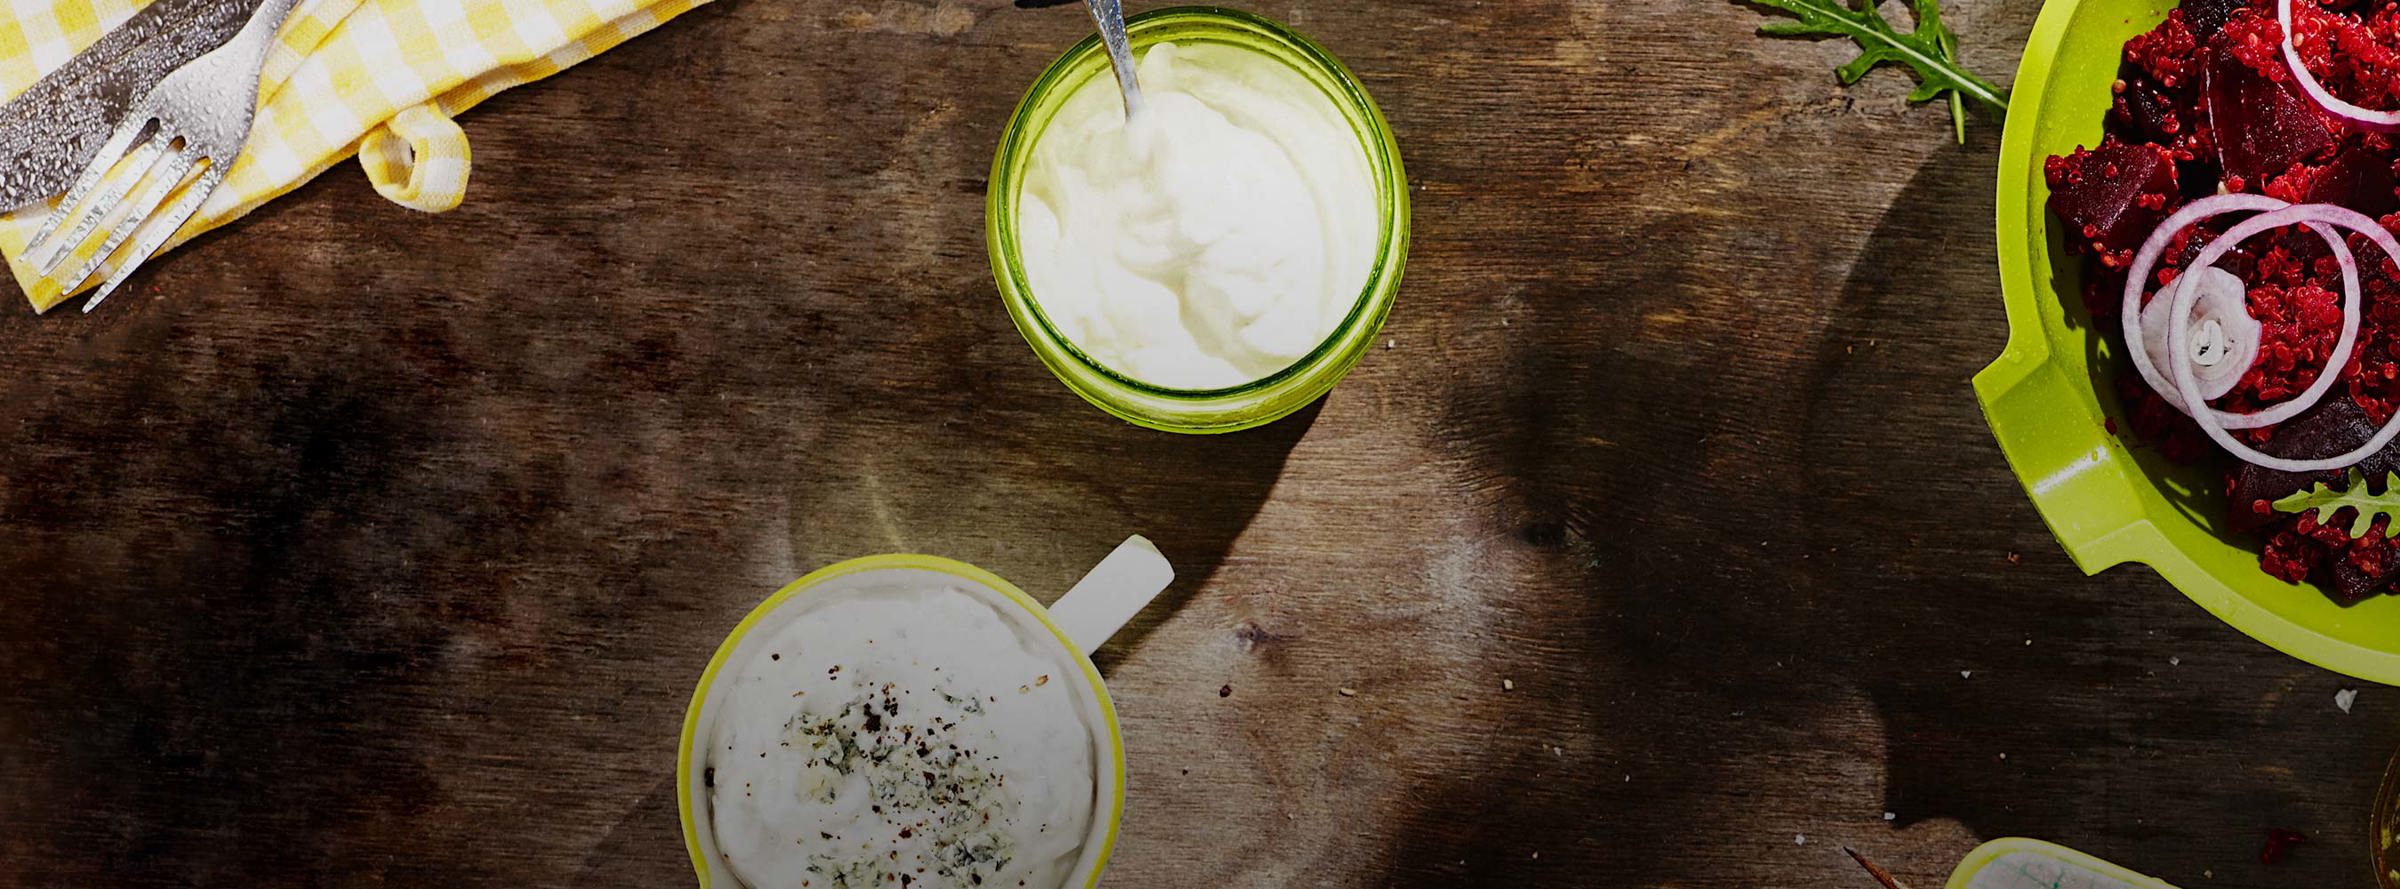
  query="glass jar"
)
[{"x": 1250, "y": 404}]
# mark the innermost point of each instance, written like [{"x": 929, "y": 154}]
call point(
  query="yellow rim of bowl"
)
[
  {"x": 1985, "y": 854},
  {"x": 895, "y": 561}
]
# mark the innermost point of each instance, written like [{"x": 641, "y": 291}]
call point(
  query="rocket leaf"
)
[
  {"x": 1931, "y": 51},
  {"x": 2326, "y": 501}
]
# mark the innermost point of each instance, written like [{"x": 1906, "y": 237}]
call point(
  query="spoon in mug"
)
[{"x": 1110, "y": 16}]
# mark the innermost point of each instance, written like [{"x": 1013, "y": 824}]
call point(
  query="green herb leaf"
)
[
  {"x": 2326, "y": 501},
  {"x": 1931, "y": 50}
]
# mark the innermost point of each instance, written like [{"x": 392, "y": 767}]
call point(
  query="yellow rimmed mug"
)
[{"x": 1080, "y": 622}]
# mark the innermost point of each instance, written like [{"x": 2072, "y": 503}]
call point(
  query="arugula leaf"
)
[
  {"x": 2326, "y": 501},
  {"x": 1931, "y": 50}
]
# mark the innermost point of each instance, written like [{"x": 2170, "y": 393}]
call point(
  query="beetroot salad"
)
[{"x": 2235, "y": 222}]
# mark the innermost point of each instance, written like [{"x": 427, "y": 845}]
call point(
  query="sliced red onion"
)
[
  {"x": 2227, "y": 337},
  {"x": 2367, "y": 118},
  {"x": 2138, "y": 277},
  {"x": 2180, "y": 344}
]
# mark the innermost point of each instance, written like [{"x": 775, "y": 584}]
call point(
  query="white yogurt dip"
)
[
  {"x": 1218, "y": 237},
  {"x": 902, "y": 730}
]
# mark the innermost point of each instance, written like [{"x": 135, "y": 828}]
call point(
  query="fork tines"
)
[
  {"x": 165, "y": 161},
  {"x": 198, "y": 114}
]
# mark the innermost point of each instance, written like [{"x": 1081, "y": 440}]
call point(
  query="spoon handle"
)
[{"x": 1110, "y": 16}]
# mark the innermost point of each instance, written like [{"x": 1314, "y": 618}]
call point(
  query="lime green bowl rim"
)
[
  {"x": 2115, "y": 529},
  {"x": 1232, "y": 408},
  {"x": 890, "y": 562},
  {"x": 1992, "y": 851}
]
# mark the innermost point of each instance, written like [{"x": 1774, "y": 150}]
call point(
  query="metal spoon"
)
[{"x": 1110, "y": 16}]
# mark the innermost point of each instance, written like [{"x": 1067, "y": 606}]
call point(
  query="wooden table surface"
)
[{"x": 359, "y": 547}]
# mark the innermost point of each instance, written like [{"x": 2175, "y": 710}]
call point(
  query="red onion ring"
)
[
  {"x": 2180, "y": 336},
  {"x": 2367, "y": 118},
  {"x": 2138, "y": 276}
]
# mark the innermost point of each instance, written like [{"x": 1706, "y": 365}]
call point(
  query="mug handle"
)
[{"x": 1114, "y": 591}]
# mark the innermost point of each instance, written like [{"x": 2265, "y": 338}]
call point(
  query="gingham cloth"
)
[{"x": 381, "y": 79}]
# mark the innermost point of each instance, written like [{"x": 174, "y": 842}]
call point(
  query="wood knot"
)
[
  {"x": 1251, "y": 635},
  {"x": 1546, "y": 534}
]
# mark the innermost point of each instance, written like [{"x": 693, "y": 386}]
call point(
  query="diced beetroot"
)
[
  {"x": 2333, "y": 427},
  {"x": 2262, "y": 127},
  {"x": 2353, "y": 583},
  {"x": 2143, "y": 112},
  {"x": 2196, "y": 165},
  {"x": 2174, "y": 435},
  {"x": 2111, "y": 196},
  {"x": 2103, "y": 294},
  {"x": 2357, "y": 179},
  {"x": 2204, "y": 17},
  {"x": 2252, "y": 495},
  {"x": 2348, "y": 571}
]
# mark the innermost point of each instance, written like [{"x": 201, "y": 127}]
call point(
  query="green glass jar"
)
[{"x": 1250, "y": 404}]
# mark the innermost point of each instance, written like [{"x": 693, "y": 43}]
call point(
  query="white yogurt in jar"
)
[
  {"x": 903, "y": 730},
  {"x": 1216, "y": 238}
]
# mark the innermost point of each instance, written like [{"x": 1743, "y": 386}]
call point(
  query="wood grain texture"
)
[{"x": 357, "y": 547}]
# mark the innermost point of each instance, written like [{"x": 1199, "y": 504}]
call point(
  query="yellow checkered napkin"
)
[{"x": 377, "y": 78}]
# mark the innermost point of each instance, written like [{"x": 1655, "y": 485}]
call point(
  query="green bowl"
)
[
  {"x": 2049, "y": 396},
  {"x": 2020, "y": 863}
]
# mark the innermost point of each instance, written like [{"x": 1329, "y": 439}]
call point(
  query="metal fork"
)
[{"x": 200, "y": 114}]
